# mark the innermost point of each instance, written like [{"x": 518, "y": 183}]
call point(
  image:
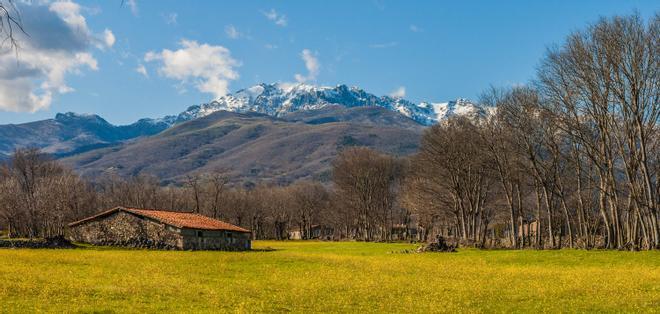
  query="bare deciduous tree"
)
[
  {"x": 366, "y": 181},
  {"x": 452, "y": 171},
  {"x": 603, "y": 85},
  {"x": 193, "y": 182},
  {"x": 10, "y": 23}
]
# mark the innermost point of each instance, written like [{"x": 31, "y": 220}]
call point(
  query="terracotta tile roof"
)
[{"x": 176, "y": 219}]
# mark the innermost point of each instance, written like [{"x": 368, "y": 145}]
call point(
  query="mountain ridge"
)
[
  {"x": 70, "y": 133},
  {"x": 278, "y": 99}
]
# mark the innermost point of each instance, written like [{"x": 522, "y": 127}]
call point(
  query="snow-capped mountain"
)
[
  {"x": 71, "y": 133},
  {"x": 458, "y": 107},
  {"x": 281, "y": 99}
]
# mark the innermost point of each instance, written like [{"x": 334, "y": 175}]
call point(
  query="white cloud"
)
[
  {"x": 142, "y": 70},
  {"x": 209, "y": 68},
  {"x": 109, "y": 38},
  {"x": 270, "y": 46},
  {"x": 70, "y": 12},
  {"x": 277, "y": 18},
  {"x": 312, "y": 64},
  {"x": 384, "y": 45},
  {"x": 415, "y": 29},
  {"x": 17, "y": 95},
  {"x": 232, "y": 32},
  {"x": 399, "y": 92},
  {"x": 171, "y": 19},
  {"x": 58, "y": 45},
  {"x": 132, "y": 4}
]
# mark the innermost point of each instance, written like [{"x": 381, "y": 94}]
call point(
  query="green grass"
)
[{"x": 328, "y": 277}]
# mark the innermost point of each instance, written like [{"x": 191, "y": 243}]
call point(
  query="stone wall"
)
[
  {"x": 58, "y": 242},
  {"x": 215, "y": 240},
  {"x": 127, "y": 230}
]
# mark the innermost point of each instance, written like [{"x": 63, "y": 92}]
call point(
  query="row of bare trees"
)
[
  {"x": 602, "y": 88},
  {"x": 39, "y": 198},
  {"x": 572, "y": 159}
]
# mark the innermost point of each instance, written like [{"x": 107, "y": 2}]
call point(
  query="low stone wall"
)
[
  {"x": 51, "y": 243},
  {"x": 216, "y": 240},
  {"x": 127, "y": 230}
]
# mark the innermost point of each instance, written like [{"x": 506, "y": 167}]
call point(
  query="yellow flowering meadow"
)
[{"x": 328, "y": 277}]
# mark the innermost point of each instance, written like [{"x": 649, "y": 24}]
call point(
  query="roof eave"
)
[
  {"x": 140, "y": 214},
  {"x": 94, "y": 217}
]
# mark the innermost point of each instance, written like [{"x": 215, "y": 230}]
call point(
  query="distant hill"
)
[
  {"x": 255, "y": 147},
  {"x": 70, "y": 134}
]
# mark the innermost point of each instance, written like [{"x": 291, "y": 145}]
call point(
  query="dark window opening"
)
[{"x": 200, "y": 234}]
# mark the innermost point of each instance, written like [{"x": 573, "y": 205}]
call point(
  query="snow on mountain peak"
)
[{"x": 279, "y": 99}]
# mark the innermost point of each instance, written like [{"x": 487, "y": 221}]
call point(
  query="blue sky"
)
[{"x": 435, "y": 50}]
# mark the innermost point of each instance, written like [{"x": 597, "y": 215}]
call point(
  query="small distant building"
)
[
  {"x": 160, "y": 229},
  {"x": 295, "y": 234},
  {"x": 399, "y": 232},
  {"x": 527, "y": 227},
  {"x": 315, "y": 232}
]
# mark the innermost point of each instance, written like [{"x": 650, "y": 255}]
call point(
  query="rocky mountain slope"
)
[
  {"x": 255, "y": 147},
  {"x": 268, "y": 132},
  {"x": 70, "y": 134}
]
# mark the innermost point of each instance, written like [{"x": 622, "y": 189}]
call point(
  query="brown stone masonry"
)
[{"x": 140, "y": 228}]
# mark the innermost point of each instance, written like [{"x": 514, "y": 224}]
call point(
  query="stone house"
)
[{"x": 159, "y": 229}]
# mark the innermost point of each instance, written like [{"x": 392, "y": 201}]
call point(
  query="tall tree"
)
[
  {"x": 366, "y": 180},
  {"x": 454, "y": 168}
]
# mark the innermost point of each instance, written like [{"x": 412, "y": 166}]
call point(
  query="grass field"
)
[{"x": 328, "y": 277}]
